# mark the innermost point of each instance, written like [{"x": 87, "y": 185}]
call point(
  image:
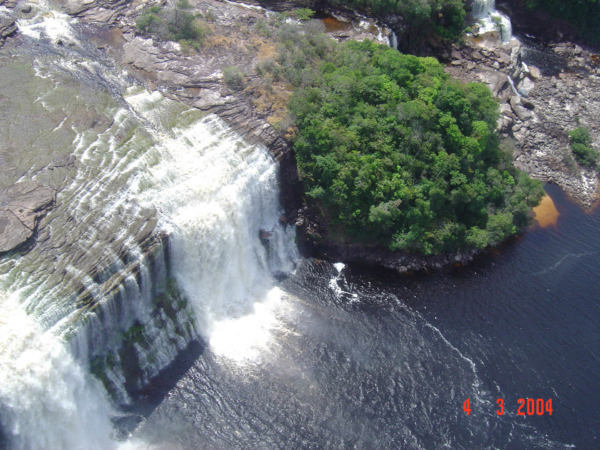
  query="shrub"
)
[
  {"x": 233, "y": 78},
  {"x": 176, "y": 24},
  {"x": 303, "y": 14},
  {"x": 580, "y": 135},
  {"x": 584, "y": 155},
  {"x": 580, "y": 145},
  {"x": 262, "y": 28},
  {"x": 145, "y": 22},
  {"x": 210, "y": 15}
]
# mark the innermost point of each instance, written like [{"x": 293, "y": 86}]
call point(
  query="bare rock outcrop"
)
[
  {"x": 539, "y": 109},
  {"x": 7, "y": 28},
  {"x": 21, "y": 207}
]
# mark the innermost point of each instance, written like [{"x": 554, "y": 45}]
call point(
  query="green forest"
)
[
  {"x": 443, "y": 17},
  {"x": 394, "y": 152}
]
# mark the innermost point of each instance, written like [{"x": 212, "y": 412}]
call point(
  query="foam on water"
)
[
  {"x": 48, "y": 23},
  {"x": 47, "y": 400}
]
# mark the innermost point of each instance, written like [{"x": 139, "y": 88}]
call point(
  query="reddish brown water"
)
[
  {"x": 332, "y": 25},
  {"x": 546, "y": 213}
]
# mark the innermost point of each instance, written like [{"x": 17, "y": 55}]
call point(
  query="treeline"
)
[
  {"x": 585, "y": 14},
  {"x": 395, "y": 152},
  {"x": 444, "y": 17}
]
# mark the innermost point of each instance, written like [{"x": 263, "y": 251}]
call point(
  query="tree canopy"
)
[{"x": 397, "y": 153}]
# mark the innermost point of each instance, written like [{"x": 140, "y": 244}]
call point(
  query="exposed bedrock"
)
[
  {"x": 21, "y": 207},
  {"x": 539, "y": 106}
]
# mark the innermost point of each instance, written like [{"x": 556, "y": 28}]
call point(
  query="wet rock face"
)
[
  {"x": 21, "y": 207},
  {"x": 7, "y": 27}
]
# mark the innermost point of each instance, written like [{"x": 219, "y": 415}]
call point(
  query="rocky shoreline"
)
[{"x": 538, "y": 107}]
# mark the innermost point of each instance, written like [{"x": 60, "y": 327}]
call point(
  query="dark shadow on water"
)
[{"x": 152, "y": 395}]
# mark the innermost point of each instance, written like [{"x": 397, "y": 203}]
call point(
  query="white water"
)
[
  {"x": 47, "y": 400},
  {"x": 492, "y": 20},
  {"x": 483, "y": 8},
  {"x": 215, "y": 193},
  {"x": 394, "y": 41}
]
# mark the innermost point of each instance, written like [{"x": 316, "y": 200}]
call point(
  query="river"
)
[
  {"x": 369, "y": 359},
  {"x": 257, "y": 347}
]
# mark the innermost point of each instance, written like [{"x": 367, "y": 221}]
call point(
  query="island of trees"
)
[
  {"x": 391, "y": 150},
  {"x": 394, "y": 152}
]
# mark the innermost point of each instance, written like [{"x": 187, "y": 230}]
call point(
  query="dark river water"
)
[{"x": 369, "y": 359}]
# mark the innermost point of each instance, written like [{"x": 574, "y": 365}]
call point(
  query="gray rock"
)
[
  {"x": 504, "y": 59},
  {"x": 561, "y": 50},
  {"x": 526, "y": 87},
  {"x": 12, "y": 231},
  {"x": 496, "y": 81},
  {"x": 7, "y": 27},
  {"x": 520, "y": 111},
  {"x": 527, "y": 103},
  {"x": 26, "y": 9},
  {"x": 21, "y": 206}
]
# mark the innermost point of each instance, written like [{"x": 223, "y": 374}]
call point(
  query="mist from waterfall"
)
[{"x": 47, "y": 400}]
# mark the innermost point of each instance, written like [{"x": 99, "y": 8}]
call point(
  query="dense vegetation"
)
[
  {"x": 585, "y": 14},
  {"x": 175, "y": 24},
  {"x": 395, "y": 152},
  {"x": 443, "y": 17},
  {"x": 580, "y": 145}
]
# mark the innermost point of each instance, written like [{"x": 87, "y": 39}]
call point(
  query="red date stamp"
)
[{"x": 529, "y": 407}]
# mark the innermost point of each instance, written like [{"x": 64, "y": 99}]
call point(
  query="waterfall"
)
[
  {"x": 483, "y": 8},
  {"x": 101, "y": 290},
  {"x": 492, "y": 20},
  {"x": 47, "y": 400},
  {"x": 394, "y": 41},
  {"x": 215, "y": 193}
]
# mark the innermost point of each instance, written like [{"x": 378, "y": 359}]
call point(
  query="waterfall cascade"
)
[
  {"x": 215, "y": 194},
  {"x": 483, "y": 8},
  {"x": 47, "y": 400},
  {"x": 492, "y": 20},
  {"x": 103, "y": 289},
  {"x": 394, "y": 41}
]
